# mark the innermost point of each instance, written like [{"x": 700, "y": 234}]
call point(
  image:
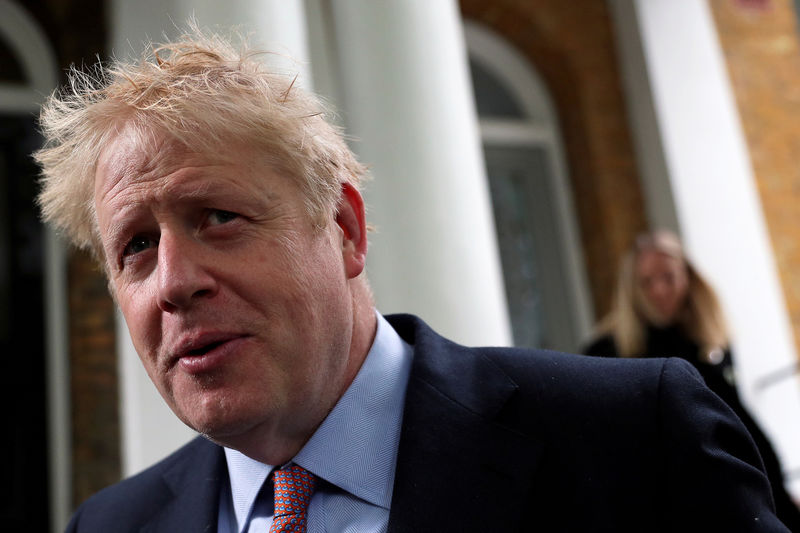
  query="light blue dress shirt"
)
[{"x": 353, "y": 453}]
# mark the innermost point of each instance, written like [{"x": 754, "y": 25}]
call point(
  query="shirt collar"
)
[
  {"x": 355, "y": 447},
  {"x": 247, "y": 476}
]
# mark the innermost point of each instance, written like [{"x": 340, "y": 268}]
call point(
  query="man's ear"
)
[{"x": 350, "y": 217}]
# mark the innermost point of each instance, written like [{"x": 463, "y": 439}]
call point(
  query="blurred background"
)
[{"x": 517, "y": 147}]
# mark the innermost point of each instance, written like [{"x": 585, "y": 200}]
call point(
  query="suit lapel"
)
[
  {"x": 194, "y": 483},
  {"x": 458, "y": 468}
]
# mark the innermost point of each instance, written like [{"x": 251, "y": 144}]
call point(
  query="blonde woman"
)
[{"x": 664, "y": 308}]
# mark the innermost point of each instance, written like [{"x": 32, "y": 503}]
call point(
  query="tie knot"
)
[{"x": 294, "y": 487}]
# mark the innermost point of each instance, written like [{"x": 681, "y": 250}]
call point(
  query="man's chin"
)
[
  {"x": 213, "y": 416},
  {"x": 223, "y": 432}
]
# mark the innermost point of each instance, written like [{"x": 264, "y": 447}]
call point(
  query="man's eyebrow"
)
[
  {"x": 196, "y": 188},
  {"x": 204, "y": 191},
  {"x": 117, "y": 225}
]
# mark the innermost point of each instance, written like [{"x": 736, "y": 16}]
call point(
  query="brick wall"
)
[
  {"x": 760, "y": 42},
  {"x": 96, "y": 455},
  {"x": 571, "y": 46}
]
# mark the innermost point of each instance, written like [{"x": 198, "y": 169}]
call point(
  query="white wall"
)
[{"x": 407, "y": 100}]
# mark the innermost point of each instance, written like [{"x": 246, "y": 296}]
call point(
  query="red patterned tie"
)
[{"x": 293, "y": 489}]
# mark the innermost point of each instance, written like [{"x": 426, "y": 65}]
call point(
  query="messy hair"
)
[
  {"x": 701, "y": 316},
  {"x": 202, "y": 92}
]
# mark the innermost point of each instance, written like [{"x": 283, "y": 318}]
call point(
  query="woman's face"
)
[{"x": 663, "y": 285}]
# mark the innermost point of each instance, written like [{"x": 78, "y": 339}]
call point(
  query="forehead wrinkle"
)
[
  {"x": 163, "y": 174},
  {"x": 200, "y": 182},
  {"x": 139, "y": 156},
  {"x": 136, "y": 155},
  {"x": 186, "y": 185},
  {"x": 152, "y": 180}
]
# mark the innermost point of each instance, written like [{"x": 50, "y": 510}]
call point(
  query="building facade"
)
[{"x": 517, "y": 147}]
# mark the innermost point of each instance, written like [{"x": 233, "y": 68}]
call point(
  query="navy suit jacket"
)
[{"x": 498, "y": 439}]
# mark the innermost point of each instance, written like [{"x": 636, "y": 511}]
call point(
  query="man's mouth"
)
[
  {"x": 196, "y": 347},
  {"x": 207, "y": 352},
  {"x": 202, "y": 350},
  {"x": 201, "y": 343}
]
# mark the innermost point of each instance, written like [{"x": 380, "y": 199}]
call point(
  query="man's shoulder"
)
[
  {"x": 549, "y": 372},
  {"x": 131, "y": 502},
  {"x": 581, "y": 433},
  {"x": 553, "y": 370},
  {"x": 545, "y": 384},
  {"x": 165, "y": 471},
  {"x": 566, "y": 391}
]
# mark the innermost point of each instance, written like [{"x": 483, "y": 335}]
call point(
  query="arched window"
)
[{"x": 543, "y": 268}]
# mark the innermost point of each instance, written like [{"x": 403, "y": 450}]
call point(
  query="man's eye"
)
[
  {"x": 218, "y": 216},
  {"x": 138, "y": 244}
]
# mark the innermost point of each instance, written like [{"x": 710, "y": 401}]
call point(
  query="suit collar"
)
[
  {"x": 194, "y": 483},
  {"x": 458, "y": 467}
]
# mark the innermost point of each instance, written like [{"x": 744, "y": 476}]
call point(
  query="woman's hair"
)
[
  {"x": 203, "y": 93},
  {"x": 700, "y": 316}
]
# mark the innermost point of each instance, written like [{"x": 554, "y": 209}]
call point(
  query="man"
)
[{"x": 227, "y": 215}]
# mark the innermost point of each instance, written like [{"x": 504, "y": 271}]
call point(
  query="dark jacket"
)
[
  {"x": 720, "y": 378},
  {"x": 515, "y": 440}
]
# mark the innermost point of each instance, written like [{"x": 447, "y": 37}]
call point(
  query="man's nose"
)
[{"x": 183, "y": 275}]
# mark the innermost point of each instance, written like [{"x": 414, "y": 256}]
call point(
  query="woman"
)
[{"x": 665, "y": 308}]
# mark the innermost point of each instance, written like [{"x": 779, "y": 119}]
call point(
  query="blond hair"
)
[
  {"x": 700, "y": 317},
  {"x": 202, "y": 92}
]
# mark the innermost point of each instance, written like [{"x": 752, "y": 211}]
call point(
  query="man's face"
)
[{"x": 238, "y": 306}]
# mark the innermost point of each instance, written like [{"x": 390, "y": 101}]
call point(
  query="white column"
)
[
  {"x": 704, "y": 157},
  {"x": 407, "y": 100},
  {"x": 277, "y": 26},
  {"x": 58, "y": 381},
  {"x": 149, "y": 428}
]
